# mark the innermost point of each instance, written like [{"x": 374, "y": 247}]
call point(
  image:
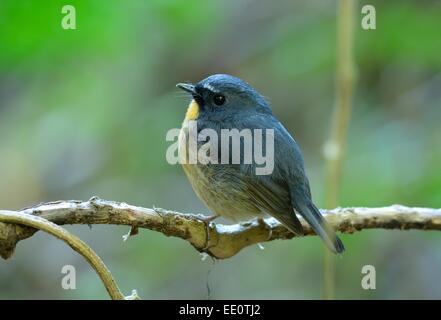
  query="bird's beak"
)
[{"x": 187, "y": 87}]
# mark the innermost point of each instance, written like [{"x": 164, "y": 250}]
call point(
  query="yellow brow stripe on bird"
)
[{"x": 192, "y": 111}]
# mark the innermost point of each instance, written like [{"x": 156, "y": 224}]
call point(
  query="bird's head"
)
[{"x": 222, "y": 94}]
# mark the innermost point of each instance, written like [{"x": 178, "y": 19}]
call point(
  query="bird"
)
[{"x": 233, "y": 190}]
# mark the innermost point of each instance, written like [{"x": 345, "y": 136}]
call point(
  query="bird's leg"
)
[
  {"x": 207, "y": 220},
  {"x": 267, "y": 227}
]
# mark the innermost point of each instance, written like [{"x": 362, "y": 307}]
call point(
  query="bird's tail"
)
[{"x": 312, "y": 215}]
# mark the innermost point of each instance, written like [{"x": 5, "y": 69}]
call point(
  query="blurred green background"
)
[{"x": 85, "y": 112}]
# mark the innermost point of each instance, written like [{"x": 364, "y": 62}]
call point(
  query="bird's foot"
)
[
  {"x": 207, "y": 220},
  {"x": 268, "y": 228}
]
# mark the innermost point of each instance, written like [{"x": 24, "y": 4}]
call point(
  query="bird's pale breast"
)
[{"x": 219, "y": 186}]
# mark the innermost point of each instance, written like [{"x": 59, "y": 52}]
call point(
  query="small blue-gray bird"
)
[{"x": 234, "y": 190}]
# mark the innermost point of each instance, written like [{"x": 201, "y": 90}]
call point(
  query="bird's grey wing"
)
[
  {"x": 288, "y": 182},
  {"x": 300, "y": 194},
  {"x": 271, "y": 193},
  {"x": 274, "y": 199}
]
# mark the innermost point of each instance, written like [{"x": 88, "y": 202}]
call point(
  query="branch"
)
[
  {"x": 217, "y": 240},
  {"x": 73, "y": 241}
]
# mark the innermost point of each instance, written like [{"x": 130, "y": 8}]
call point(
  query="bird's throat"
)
[{"x": 192, "y": 111}]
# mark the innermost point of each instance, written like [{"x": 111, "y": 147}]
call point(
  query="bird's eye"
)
[{"x": 218, "y": 99}]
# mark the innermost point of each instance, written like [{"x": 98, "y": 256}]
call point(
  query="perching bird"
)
[{"x": 234, "y": 190}]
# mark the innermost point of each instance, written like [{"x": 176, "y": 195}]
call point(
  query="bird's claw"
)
[{"x": 207, "y": 220}]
